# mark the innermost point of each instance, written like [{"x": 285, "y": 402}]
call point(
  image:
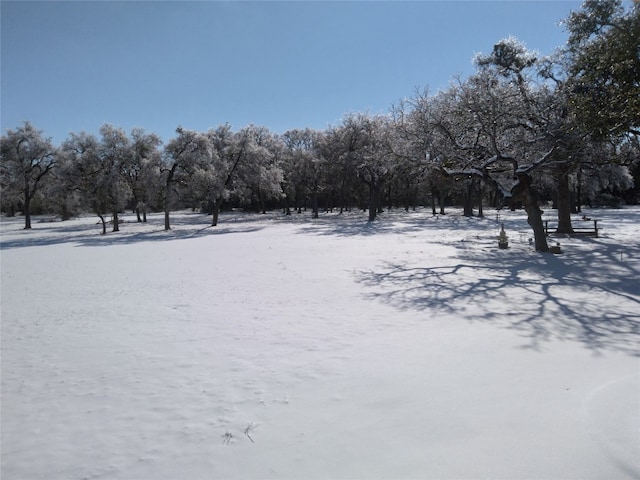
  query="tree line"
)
[{"x": 520, "y": 130}]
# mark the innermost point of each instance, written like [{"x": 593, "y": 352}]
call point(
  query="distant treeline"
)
[{"x": 521, "y": 130}]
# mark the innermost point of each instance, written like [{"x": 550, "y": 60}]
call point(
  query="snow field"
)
[{"x": 274, "y": 347}]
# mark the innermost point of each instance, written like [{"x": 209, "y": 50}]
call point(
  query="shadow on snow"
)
[
  {"x": 183, "y": 226},
  {"x": 592, "y": 296},
  {"x": 391, "y": 222}
]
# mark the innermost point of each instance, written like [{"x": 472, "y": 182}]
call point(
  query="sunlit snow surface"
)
[{"x": 286, "y": 347}]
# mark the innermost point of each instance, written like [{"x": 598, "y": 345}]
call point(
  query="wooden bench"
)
[
  {"x": 589, "y": 232},
  {"x": 49, "y": 220}
]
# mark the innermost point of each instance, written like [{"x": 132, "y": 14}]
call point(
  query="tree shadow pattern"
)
[
  {"x": 185, "y": 226},
  {"x": 591, "y": 296}
]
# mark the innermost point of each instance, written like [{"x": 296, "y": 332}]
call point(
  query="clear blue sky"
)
[{"x": 72, "y": 66}]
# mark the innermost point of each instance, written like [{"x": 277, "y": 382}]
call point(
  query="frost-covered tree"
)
[
  {"x": 83, "y": 173},
  {"x": 466, "y": 127},
  {"x": 365, "y": 139},
  {"x": 306, "y": 165},
  {"x": 26, "y": 159},
  {"x": 95, "y": 170},
  {"x": 182, "y": 155},
  {"x": 142, "y": 170},
  {"x": 488, "y": 128},
  {"x": 62, "y": 193},
  {"x": 604, "y": 173},
  {"x": 222, "y": 175},
  {"x": 416, "y": 121},
  {"x": 260, "y": 174},
  {"x": 115, "y": 157},
  {"x": 338, "y": 149}
]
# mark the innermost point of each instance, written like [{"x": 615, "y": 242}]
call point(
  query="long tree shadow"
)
[
  {"x": 591, "y": 296},
  {"x": 88, "y": 233},
  {"x": 396, "y": 222}
]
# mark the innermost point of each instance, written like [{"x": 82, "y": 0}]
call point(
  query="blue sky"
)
[{"x": 72, "y": 66}]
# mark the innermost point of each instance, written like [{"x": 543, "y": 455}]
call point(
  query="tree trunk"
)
[
  {"x": 215, "y": 213},
  {"x": 167, "y": 222},
  {"x": 27, "y": 205},
  {"x": 434, "y": 193},
  {"x": 467, "y": 198},
  {"x": 167, "y": 195},
  {"x": 65, "y": 215},
  {"x": 314, "y": 204},
  {"x": 529, "y": 198},
  {"x": 167, "y": 203},
  {"x": 116, "y": 222},
  {"x": 373, "y": 197},
  {"x": 579, "y": 191},
  {"x": 287, "y": 207},
  {"x": 564, "y": 204},
  {"x": 480, "y": 199},
  {"x": 104, "y": 224}
]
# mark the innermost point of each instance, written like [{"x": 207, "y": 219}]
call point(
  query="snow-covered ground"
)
[{"x": 285, "y": 347}]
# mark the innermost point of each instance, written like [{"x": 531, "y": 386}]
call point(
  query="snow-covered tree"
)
[
  {"x": 83, "y": 173},
  {"x": 365, "y": 139},
  {"x": 221, "y": 177},
  {"x": 306, "y": 165},
  {"x": 421, "y": 146},
  {"x": 115, "y": 157},
  {"x": 142, "y": 170},
  {"x": 182, "y": 155},
  {"x": 26, "y": 159},
  {"x": 489, "y": 128},
  {"x": 260, "y": 174}
]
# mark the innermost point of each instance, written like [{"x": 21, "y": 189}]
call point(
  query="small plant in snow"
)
[
  {"x": 247, "y": 432},
  {"x": 226, "y": 438}
]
